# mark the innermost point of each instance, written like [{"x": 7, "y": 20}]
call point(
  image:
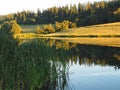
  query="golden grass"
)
[
  {"x": 111, "y": 29},
  {"x": 107, "y": 34},
  {"x": 25, "y": 36},
  {"x": 101, "y": 30},
  {"x": 29, "y": 36}
]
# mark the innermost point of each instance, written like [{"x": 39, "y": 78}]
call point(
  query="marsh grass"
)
[{"x": 31, "y": 65}]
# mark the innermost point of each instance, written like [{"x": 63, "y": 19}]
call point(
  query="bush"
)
[
  {"x": 7, "y": 41},
  {"x": 117, "y": 11},
  {"x": 65, "y": 25},
  {"x": 58, "y": 26},
  {"x": 16, "y": 29},
  {"x": 72, "y": 25},
  {"x": 39, "y": 30},
  {"x": 10, "y": 27},
  {"x": 62, "y": 26},
  {"x": 49, "y": 28},
  {"x": 6, "y": 27}
]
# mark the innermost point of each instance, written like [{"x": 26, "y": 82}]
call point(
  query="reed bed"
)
[{"x": 30, "y": 65}]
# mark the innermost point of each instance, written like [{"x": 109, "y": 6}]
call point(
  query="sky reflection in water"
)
[
  {"x": 91, "y": 67},
  {"x": 94, "y": 77}
]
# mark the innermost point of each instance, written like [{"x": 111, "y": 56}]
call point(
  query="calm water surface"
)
[
  {"x": 50, "y": 64},
  {"x": 92, "y": 67},
  {"x": 94, "y": 77}
]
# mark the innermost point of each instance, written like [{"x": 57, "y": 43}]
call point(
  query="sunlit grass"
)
[
  {"x": 108, "y": 30},
  {"x": 101, "y": 30},
  {"x": 102, "y": 34}
]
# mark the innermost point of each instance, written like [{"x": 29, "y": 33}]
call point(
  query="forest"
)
[{"x": 81, "y": 14}]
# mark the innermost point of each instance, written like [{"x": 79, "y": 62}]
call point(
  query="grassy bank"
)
[
  {"x": 101, "y": 30},
  {"x": 107, "y": 34}
]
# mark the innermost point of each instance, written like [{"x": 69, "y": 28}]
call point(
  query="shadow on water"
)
[{"x": 44, "y": 64}]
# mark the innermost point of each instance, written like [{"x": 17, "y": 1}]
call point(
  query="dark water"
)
[{"x": 50, "y": 64}]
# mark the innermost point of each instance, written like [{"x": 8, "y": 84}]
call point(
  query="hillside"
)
[
  {"x": 110, "y": 29},
  {"x": 101, "y": 30},
  {"x": 107, "y": 34}
]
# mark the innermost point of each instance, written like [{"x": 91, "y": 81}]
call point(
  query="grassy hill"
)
[
  {"x": 101, "y": 30},
  {"x": 108, "y": 30},
  {"x": 107, "y": 34}
]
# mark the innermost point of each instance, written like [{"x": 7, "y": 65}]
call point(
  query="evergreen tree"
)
[{"x": 81, "y": 14}]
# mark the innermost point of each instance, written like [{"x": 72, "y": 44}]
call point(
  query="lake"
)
[
  {"x": 54, "y": 64},
  {"x": 93, "y": 67}
]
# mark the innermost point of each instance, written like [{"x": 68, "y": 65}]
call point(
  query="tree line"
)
[{"x": 81, "y": 14}]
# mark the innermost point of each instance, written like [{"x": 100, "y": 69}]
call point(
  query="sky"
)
[{"x": 13, "y": 6}]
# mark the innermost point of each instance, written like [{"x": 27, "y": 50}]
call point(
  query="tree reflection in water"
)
[
  {"x": 89, "y": 54},
  {"x": 44, "y": 64}
]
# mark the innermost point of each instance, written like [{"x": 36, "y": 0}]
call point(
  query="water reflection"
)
[
  {"x": 32, "y": 66},
  {"x": 92, "y": 67},
  {"x": 47, "y": 64},
  {"x": 89, "y": 54}
]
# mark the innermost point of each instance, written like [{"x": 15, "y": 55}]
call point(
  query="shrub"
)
[
  {"x": 7, "y": 42},
  {"x": 117, "y": 11},
  {"x": 72, "y": 25},
  {"x": 15, "y": 27},
  {"x": 10, "y": 27},
  {"x": 65, "y": 25},
  {"x": 58, "y": 26},
  {"x": 6, "y": 27},
  {"x": 39, "y": 30},
  {"x": 61, "y": 26},
  {"x": 49, "y": 28}
]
